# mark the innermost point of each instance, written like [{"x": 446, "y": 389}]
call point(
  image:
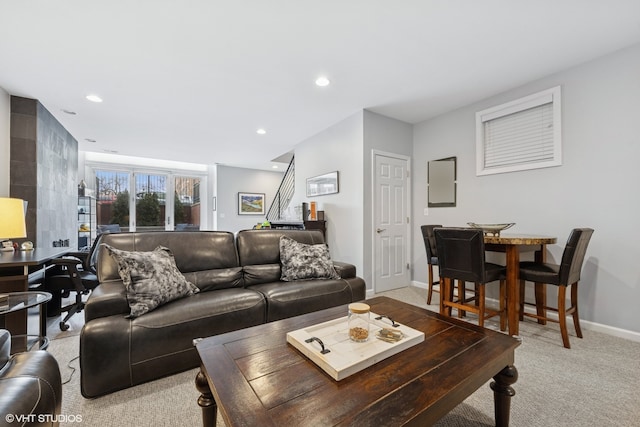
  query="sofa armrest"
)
[
  {"x": 345, "y": 270},
  {"x": 30, "y": 385},
  {"x": 108, "y": 299}
]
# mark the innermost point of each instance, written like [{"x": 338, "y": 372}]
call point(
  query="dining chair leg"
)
[
  {"x": 503, "y": 301},
  {"x": 574, "y": 306},
  {"x": 481, "y": 306},
  {"x": 541, "y": 302},
  {"x": 522, "y": 289},
  {"x": 443, "y": 292},
  {"x": 562, "y": 315},
  {"x": 475, "y": 292},
  {"x": 462, "y": 295},
  {"x": 430, "y": 291},
  {"x": 446, "y": 295}
]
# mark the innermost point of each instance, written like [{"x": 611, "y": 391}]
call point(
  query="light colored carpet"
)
[{"x": 593, "y": 384}]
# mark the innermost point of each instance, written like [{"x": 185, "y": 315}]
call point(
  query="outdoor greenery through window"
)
[{"x": 162, "y": 201}]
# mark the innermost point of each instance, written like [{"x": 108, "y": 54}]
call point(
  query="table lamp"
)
[{"x": 12, "y": 224}]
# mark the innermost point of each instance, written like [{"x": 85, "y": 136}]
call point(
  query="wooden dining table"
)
[{"x": 512, "y": 245}]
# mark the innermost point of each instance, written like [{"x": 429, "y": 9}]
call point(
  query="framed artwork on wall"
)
[
  {"x": 322, "y": 184},
  {"x": 251, "y": 203}
]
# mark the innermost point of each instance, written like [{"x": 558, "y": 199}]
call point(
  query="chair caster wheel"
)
[{"x": 63, "y": 326}]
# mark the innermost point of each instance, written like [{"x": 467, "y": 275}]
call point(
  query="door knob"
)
[{"x": 380, "y": 230}]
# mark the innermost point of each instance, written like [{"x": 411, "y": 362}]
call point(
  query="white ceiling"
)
[{"x": 193, "y": 80}]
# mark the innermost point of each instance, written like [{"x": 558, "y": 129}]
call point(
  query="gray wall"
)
[
  {"x": 338, "y": 148},
  {"x": 231, "y": 181},
  {"x": 381, "y": 133},
  {"x": 347, "y": 147},
  {"x": 44, "y": 170},
  {"x": 595, "y": 187}
]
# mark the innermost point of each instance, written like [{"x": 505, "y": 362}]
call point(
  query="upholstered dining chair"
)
[
  {"x": 432, "y": 257},
  {"x": 461, "y": 256},
  {"x": 566, "y": 274}
]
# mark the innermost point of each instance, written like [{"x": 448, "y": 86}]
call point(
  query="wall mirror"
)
[{"x": 441, "y": 176}]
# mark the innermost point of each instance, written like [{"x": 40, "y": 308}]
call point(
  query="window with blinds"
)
[{"x": 520, "y": 135}]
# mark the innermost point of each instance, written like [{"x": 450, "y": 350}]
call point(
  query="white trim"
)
[
  {"x": 118, "y": 159},
  {"x": 586, "y": 324},
  {"x": 409, "y": 247},
  {"x": 552, "y": 96}
]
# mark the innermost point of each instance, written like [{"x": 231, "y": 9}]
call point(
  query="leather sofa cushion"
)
[
  {"x": 259, "y": 252},
  {"x": 151, "y": 278},
  {"x": 288, "y": 299},
  {"x": 116, "y": 353},
  {"x": 211, "y": 251},
  {"x": 263, "y": 246},
  {"x": 106, "y": 300},
  {"x": 175, "y": 325},
  {"x": 256, "y": 274},
  {"x": 221, "y": 278}
]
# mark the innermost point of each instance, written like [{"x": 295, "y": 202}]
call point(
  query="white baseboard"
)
[{"x": 586, "y": 324}]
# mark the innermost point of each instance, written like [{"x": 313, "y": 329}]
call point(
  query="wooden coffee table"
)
[{"x": 256, "y": 379}]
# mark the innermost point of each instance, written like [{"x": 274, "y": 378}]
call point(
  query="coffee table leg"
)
[
  {"x": 502, "y": 393},
  {"x": 206, "y": 401}
]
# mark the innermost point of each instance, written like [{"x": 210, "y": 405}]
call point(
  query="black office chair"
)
[
  {"x": 432, "y": 256},
  {"x": 461, "y": 256},
  {"x": 563, "y": 275},
  {"x": 73, "y": 273}
]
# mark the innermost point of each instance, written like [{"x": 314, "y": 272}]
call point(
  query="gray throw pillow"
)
[
  {"x": 301, "y": 261},
  {"x": 150, "y": 278}
]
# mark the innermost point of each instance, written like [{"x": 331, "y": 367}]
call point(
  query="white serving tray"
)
[{"x": 346, "y": 357}]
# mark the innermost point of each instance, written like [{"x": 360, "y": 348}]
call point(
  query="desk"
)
[
  {"x": 511, "y": 245},
  {"x": 256, "y": 379},
  {"x": 14, "y": 277}
]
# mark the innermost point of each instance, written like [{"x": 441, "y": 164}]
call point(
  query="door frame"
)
[{"x": 372, "y": 231}]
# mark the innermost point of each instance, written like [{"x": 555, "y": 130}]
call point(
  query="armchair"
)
[{"x": 30, "y": 385}]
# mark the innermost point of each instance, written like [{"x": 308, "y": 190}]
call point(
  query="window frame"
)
[
  {"x": 553, "y": 96},
  {"x": 91, "y": 166}
]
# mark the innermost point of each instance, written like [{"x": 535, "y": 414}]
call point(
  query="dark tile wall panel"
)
[
  {"x": 23, "y": 166},
  {"x": 44, "y": 171}
]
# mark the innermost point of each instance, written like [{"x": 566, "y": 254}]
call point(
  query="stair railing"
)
[{"x": 284, "y": 194}]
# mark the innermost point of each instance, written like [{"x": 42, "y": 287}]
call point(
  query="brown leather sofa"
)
[
  {"x": 30, "y": 386},
  {"x": 239, "y": 282}
]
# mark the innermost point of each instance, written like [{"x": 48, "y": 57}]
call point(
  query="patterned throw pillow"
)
[
  {"x": 151, "y": 278},
  {"x": 301, "y": 261}
]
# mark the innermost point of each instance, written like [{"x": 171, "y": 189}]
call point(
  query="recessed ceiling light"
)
[
  {"x": 261, "y": 131},
  {"x": 322, "y": 81},
  {"x": 110, "y": 151},
  {"x": 90, "y": 140},
  {"x": 72, "y": 113},
  {"x": 94, "y": 98},
  {"x": 275, "y": 166}
]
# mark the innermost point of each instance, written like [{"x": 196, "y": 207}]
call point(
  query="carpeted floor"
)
[{"x": 593, "y": 384}]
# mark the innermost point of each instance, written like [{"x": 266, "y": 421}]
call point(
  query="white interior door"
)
[{"x": 390, "y": 222}]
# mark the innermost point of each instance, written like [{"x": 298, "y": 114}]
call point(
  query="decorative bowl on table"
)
[{"x": 491, "y": 229}]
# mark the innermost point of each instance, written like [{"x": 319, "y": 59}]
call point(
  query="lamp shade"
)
[{"x": 12, "y": 224}]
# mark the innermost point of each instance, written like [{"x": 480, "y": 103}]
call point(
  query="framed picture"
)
[
  {"x": 250, "y": 203},
  {"x": 322, "y": 184}
]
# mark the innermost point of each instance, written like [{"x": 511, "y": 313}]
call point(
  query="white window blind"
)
[{"x": 519, "y": 135}]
